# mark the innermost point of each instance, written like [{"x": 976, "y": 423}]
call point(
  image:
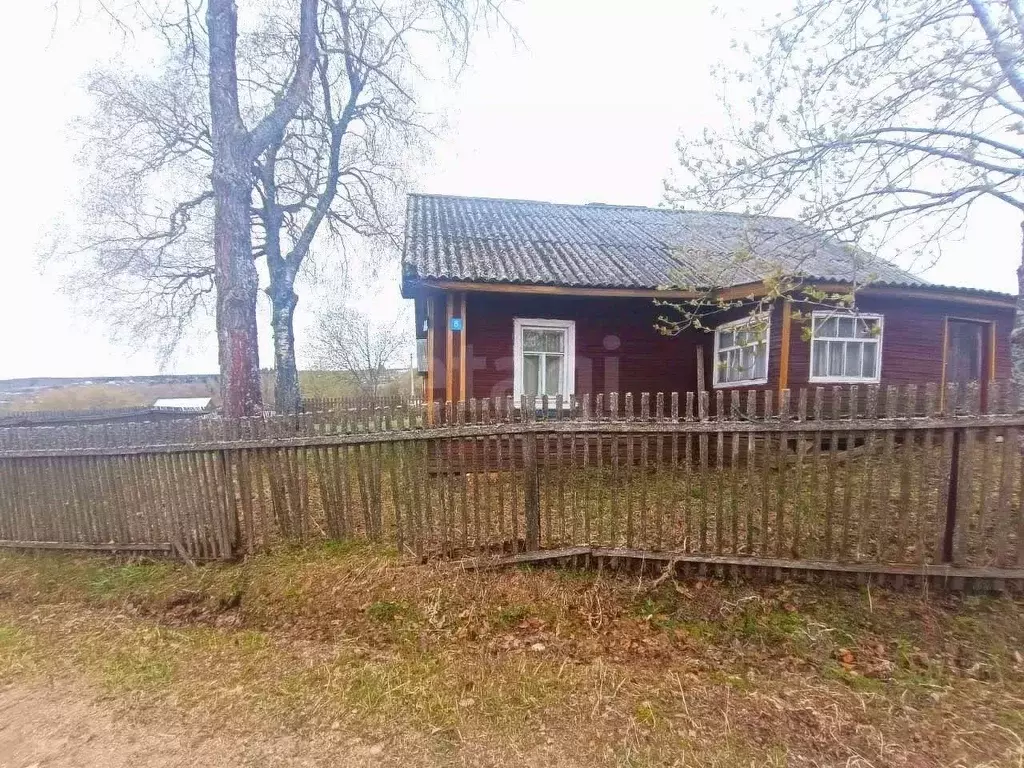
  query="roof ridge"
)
[
  {"x": 547, "y": 202},
  {"x": 595, "y": 205}
]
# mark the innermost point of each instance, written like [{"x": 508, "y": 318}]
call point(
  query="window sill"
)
[
  {"x": 822, "y": 380},
  {"x": 566, "y": 404},
  {"x": 565, "y": 407},
  {"x": 748, "y": 383}
]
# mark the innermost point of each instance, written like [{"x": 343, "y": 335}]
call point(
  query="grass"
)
[
  {"x": 386, "y": 610},
  {"x": 483, "y": 668},
  {"x": 77, "y": 396}
]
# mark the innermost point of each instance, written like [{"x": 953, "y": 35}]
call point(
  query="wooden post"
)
[
  {"x": 463, "y": 389},
  {"x": 449, "y": 353},
  {"x": 951, "y": 498},
  {"x": 431, "y": 363},
  {"x": 531, "y": 491},
  {"x": 784, "y": 342},
  {"x": 227, "y": 475}
]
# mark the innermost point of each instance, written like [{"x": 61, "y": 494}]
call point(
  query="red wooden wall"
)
[
  {"x": 912, "y": 338},
  {"x": 618, "y": 348}
]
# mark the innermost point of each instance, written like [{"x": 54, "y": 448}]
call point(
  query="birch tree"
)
[
  {"x": 332, "y": 172},
  {"x": 142, "y": 229},
  {"x": 235, "y": 147},
  {"x": 339, "y": 169},
  {"x": 365, "y": 348},
  {"x": 880, "y": 122}
]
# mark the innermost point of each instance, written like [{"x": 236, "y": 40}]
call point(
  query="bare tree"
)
[
  {"x": 229, "y": 144},
  {"x": 880, "y": 122},
  {"x": 334, "y": 170},
  {"x": 339, "y": 169},
  {"x": 367, "y": 350}
]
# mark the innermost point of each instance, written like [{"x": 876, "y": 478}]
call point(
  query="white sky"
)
[{"x": 585, "y": 109}]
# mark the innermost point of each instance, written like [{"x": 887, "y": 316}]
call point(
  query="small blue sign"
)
[{"x": 456, "y": 324}]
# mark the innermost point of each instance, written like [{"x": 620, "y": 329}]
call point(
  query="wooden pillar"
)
[
  {"x": 449, "y": 360},
  {"x": 787, "y": 332},
  {"x": 992, "y": 351},
  {"x": 431, "y": 363},
  {"x": 988, "y": 369},
  {"x": 463, "y": 387},
  {"x": 945, "y": 348},
  {"x": 455, "y": 384}
]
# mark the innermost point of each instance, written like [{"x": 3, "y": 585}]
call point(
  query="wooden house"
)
[{"x": 519, "y": 297}]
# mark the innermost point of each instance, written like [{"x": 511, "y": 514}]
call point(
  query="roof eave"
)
[{"x": 411, "y": 285}]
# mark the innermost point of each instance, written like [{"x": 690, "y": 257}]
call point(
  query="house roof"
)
[
  {"x": 188, "y": 404},
  {"x": 525, "y": 242}
]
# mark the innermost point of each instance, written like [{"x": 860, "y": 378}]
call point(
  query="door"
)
[{"x": 966, "y": 357}]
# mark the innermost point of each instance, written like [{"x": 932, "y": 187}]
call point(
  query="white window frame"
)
[
  {"x": 568, "y": 360},
  {"x": 754, "y": 320},
  {"x": 824, "y": 315}
]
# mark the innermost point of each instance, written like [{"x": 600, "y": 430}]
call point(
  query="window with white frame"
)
[
  {"x": 846, "y": 347},
  {"x": 545, "y": 357},
  {"x": 741, "y": 352}
]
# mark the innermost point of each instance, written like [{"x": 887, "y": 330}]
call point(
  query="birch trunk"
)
[
  {"x": 235, "y": 274},
  {"x": 286, "y": 375}
]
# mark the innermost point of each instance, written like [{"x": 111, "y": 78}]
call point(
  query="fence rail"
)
[
  {"x": 319, "y": 404},
  {"x": 851, "y": 476}
]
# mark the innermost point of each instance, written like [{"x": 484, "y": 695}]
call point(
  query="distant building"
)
[{"x": 183, "y": 404}]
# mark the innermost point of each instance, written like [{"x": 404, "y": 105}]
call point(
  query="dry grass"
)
[
  {"x": 484, "y": 669},
  {"x": 127, "y": 394},
  {"x": 85, "y": 397}
]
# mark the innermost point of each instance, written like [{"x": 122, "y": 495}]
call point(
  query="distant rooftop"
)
[{"x": 182, "y": 403}]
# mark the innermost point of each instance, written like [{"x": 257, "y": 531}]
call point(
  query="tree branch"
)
[
  {"x": 1006, "y": 59},
  {"x": 260, "y": 136}
]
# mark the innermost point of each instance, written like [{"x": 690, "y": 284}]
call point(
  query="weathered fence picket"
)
[{"x": 857, "y": 475}]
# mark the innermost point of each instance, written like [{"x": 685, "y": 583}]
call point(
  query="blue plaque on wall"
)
[{"x": 456, "y": 324}]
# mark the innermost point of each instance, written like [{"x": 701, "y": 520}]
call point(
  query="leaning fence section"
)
[{"x": 863, "y": 475}]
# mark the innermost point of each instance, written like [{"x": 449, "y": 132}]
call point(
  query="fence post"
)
[
  {"x": 230, "y": 506},
  {"x": 531, "y": 476},
  {"x": 951, "y": 498}
]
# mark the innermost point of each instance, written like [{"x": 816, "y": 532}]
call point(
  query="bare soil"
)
[
  {"x": 62, "y": 725},
  {"x": 68, "y": 725}
]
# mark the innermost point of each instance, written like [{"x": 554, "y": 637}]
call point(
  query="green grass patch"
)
[
  {"x": 513, "y": 615},
  {"x": 134, "y": 672},
  {"x": 10, "y": 637},
  {"x": 122, "y": 580},
  {"x": 16, "y": 649},
  {"x": 386, "y": 611},
  {"x": 854, "y": 680}
]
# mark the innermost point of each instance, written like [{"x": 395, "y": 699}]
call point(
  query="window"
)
[
  {"x": 845, "y": 347},
  {"x": 741, "y": 352},
  {"x": 545, "y": 357}
]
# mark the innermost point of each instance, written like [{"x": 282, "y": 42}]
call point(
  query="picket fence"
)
[{"x": 840, "y": 478}]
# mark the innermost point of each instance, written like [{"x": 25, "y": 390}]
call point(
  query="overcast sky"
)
[{"x": 586, "y": 108}]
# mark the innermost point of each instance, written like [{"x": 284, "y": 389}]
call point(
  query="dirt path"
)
[
  {"x": 59, "y": 726},
  {"x": 62, "y": 725}
]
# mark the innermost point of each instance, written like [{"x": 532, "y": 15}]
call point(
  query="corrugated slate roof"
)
[{"x": 489, "y": 240}]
